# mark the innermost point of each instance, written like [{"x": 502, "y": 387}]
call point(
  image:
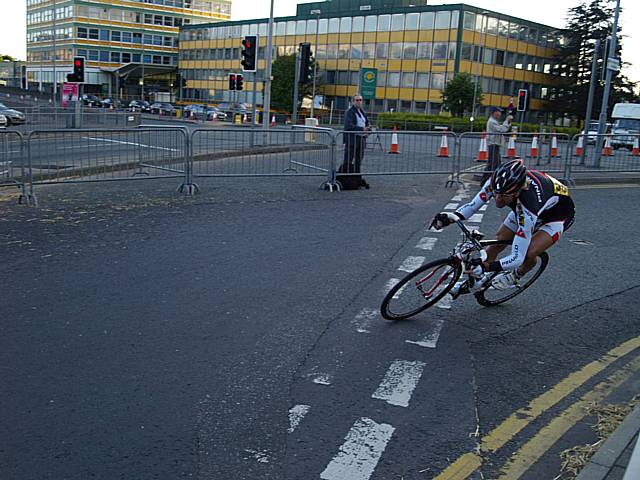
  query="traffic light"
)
[
  {"x": 239, "y": 81},
  {"x": 78, "y": 69},
  {"x": 523, "y": 96},
  {"x": 249, "y": 53},
  {"x": 306, "y": 70},
  {"x": 232, "y": 81}
]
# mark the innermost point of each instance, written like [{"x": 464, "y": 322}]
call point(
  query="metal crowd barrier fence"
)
[
  {"x": 244, "y": 152},
  {"x": 12, "y": 159},
  {"x": 100, "y": 155},
  {"x": 86, "y": 118},
  {"x": 545, "y": 152},
  {"x": 613, "y": 153}
]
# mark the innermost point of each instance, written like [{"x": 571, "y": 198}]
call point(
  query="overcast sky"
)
[{"x": 549, "y": 12}]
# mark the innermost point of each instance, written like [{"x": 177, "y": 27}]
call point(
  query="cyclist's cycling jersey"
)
[{"x": 545, "y": 200}]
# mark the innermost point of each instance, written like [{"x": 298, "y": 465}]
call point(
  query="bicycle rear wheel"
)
[
  {"x": 492, "y": 296},
  {"x": 420, "y": 289}
]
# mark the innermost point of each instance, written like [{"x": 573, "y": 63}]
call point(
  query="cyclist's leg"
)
[
  {"x": 506, "y": 232},
  {"x": 542, "y": 240}
]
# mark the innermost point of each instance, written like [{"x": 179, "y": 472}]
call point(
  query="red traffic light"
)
[
  {"x": 246, "y": 43},
  {"x": 78, "y": 63},
  {"x": 522, "y": 94},
  {"x": 232, "y": 77}
]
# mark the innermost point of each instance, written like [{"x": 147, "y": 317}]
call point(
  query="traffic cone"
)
[
  {"x": 483, "y": 153},
  {"x": 607, "y": 151},
  {"x": 511, "y": 149},
  {"x": 579, "y": 146},
  {"x": 273, "y": 120},
  {"x": 635, "y": 151},
  {"x": 554, "y": 146},
  {"x": 394, "y": 141},
  {"x": 444, "y": 147},
  {"x": 534, "y": 147}
]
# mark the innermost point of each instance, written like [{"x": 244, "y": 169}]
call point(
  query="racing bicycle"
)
[{"x": 428, "y": 284}]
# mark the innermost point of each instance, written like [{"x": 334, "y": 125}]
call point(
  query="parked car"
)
[
  {"x": 592, "y": 131},
  {"x": 108, "y": 102},
  {"x": 91, "y": 100},
  {"x": 3, "y": 121},
  {"x": 12, "y": 116},
  {"x": 139, "y": 105},
  {"x": 162, "y": 108},
  {"x": 204, "y": 111},
  {"x": 215, "y": 113},
  {"x": 232, "y": 108}
]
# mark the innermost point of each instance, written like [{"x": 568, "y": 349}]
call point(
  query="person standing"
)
[
  {"x": 356, "y": 128},
  {"x": 495, "y": 139}
]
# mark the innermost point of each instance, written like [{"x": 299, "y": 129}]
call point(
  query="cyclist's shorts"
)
[{"x": 554, "y": 229}]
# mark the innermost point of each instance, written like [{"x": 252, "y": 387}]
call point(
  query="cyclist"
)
[{"x": 541, "y": 210}]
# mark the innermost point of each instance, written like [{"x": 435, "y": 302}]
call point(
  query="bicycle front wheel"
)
[{"x": 421, "y": 289}]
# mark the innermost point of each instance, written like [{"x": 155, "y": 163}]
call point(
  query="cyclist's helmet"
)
[{"x": 509, "y": 177}]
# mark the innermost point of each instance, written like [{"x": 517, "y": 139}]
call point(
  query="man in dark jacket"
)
[{"x": 356, "y": 126}]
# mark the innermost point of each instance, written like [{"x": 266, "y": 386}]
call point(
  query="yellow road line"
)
[
  {"x": 535, "y": 448},
  {"x": 507, "y": 430}
]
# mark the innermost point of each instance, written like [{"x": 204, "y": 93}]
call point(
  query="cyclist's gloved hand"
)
[
  {"x": 443, "y": 219},
  {"x": 476, "y": 267}
]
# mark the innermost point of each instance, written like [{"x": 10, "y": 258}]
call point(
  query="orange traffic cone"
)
[
  {"x": 483, "y": 152},
  {"x": 444, "y": 147},
  {"x": 511, "y": 149},
  {"x": 554, "y": 146},
  {"x": 607, "y": 151},
  {"x": 635, "y": 151},
  {"x": 579, "y": 146},
  {"x": 534, "y": 147},
  {"x": 394, "y": 141},
  {"x": 273, "y": 120}
]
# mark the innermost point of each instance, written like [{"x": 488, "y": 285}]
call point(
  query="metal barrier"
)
[
  {"x": 615, "y": 153},
  {"x": 247, "y": 152},
  {"x": 546, "y": 152},
  {"x": 397, "y": 153},
  {"x": 90, "y": 155},
  {"x": 49, "y": 117}
]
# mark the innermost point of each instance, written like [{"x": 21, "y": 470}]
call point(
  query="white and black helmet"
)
[{"x": 509, "y": 177}]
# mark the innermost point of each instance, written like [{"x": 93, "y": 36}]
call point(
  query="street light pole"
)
[
  {"x": 478, "y": 60},
  {"x": 266, "y": 98},
  {"x": 55, "y": 83},
  {"x": 315, "y": 59}
]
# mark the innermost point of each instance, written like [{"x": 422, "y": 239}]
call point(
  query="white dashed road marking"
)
[
  {"x": 484, "y": 207},
  {"x": 361, "y": 451},
  {"x": 426, "y": 243},
  {"x": 321, "y": 378},
  {"x": 399, "y": 382},
  {"x": 411, "y": 263},
  {"x": 430, "y": 340},
  {"x": 296, "y": 414},
  {"x": 366, "y": 318},
  {"x": 475, "y": 218},
  {"x": 450, "y": 206}
]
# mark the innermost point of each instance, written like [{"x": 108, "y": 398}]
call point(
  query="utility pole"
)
[
  {"x": 55, "y": 83},
  {"x": 592, "y": 87},
  {"x": 607, "y": 86},
  {"x": 266, "y": 100},
  {"x": 315, "y": 60},
  {"x": 478, "y": 61}
]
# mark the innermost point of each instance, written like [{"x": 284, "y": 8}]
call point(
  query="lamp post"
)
[
  {"x": 266, "y": 98},
  {"x": 315, "y": 59},
  {"x": 55, "y": 83},
  {"x": 478, "y": 60}
]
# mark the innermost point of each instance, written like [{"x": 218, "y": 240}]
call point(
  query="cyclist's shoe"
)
[
  {"x": 481, "y": 282},
  {"x": 461, "y": 287},
  {"x": 506, "y": 280}
]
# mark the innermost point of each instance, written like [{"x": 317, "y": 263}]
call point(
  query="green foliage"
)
[
  {"x": 457, "y": 96},
  {"x": 420, "y": 122},
  {"x": 7, "y": 58},
  {"x": 283, "y": 70}
]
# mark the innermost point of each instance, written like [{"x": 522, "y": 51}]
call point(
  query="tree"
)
[
  {"x": 6, "y": 58},
  {"x": 283, "y": 70},
  {"x": 591, "y": 20},
  {"x": 457, "y": 95}
]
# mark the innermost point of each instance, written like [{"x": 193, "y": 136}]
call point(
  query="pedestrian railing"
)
[{"x": 99, "y": 155}]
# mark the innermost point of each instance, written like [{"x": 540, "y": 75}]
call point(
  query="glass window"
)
[
  {"x": 281, "y": 28},
  {"x": 311, "y": 26},
  {"x": 499, "y": 60},
  {"x": 126, "y": 37},
  {"x": 82, "y": 32},
  {"x": 115, "y": 57},
  {"x": 291, "y": 27},
  {"x": 452, "y": 50},
  {"x": 332, "y": 51},
  {"x": 382, "y": 50},
  {"x": 369, "y": 50},
  {"x": 104, "y": 56},
  {"x": 481, "y": 23},
  {"x": 408, "y": 80},
  {"x": 93, "y": 34},
  {"x": 469, "y": 22},
  {"x": 370, "y": 23},
  {"x": 427, "y": 20},
  {"x": 382, "y": 78},
  {"x": 356, "y": 52},
  {"x": 467, "y": 52},
  {"x": 323, "y": 26},
  {"x": 301, "y": 27},
  {"x": 488, "y": 55},
  {"x": 344, "y": 77},
  {"x": 334, "y": 25},
  {"x": 393, "y": 79},
  {"x": 422, "y": 80},
  {"x": 503, "y": 28},
  {"x": 533, "y": 35},
  {"x": 115, "y": 36},
  {"x": 524, "y": 33},
  {"x": 455, "y": 19},
  {"x": 397, "y": 22},
  {"x": 263, "y": 29},
  {"x": 510, "y": 59},
  {"x": 345, "y": 25},
  {"x": 424, "y": 50},
  {"x": 437, "y": 81},
  {"x": 485, "y": 84},
  {"x": 395, "y": 51},
  {"x": 358, "y": 24},
  {"x": 412, "y": 21},
  {"x": 514, "y": 31},
  {"x": 443, "y": 19},
  {"x": 410, "y": 51},
  {"x": 492, "y": 26},
  {"x": 440, "y": 50},
  {"x": 104, "y": 35},
  {"x": 343, "y": 51},
  {"x": 135, "y": 58},
  {"x": 384, "y": 23}
]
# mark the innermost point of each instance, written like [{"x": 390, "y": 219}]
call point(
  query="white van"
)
[{"x": 626, "y": 124}]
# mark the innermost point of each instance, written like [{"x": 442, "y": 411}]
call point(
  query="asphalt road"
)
[{"x": 235, "y": 334}]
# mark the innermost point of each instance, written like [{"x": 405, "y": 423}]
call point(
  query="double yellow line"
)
[{"x": 530, "y": 452}]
